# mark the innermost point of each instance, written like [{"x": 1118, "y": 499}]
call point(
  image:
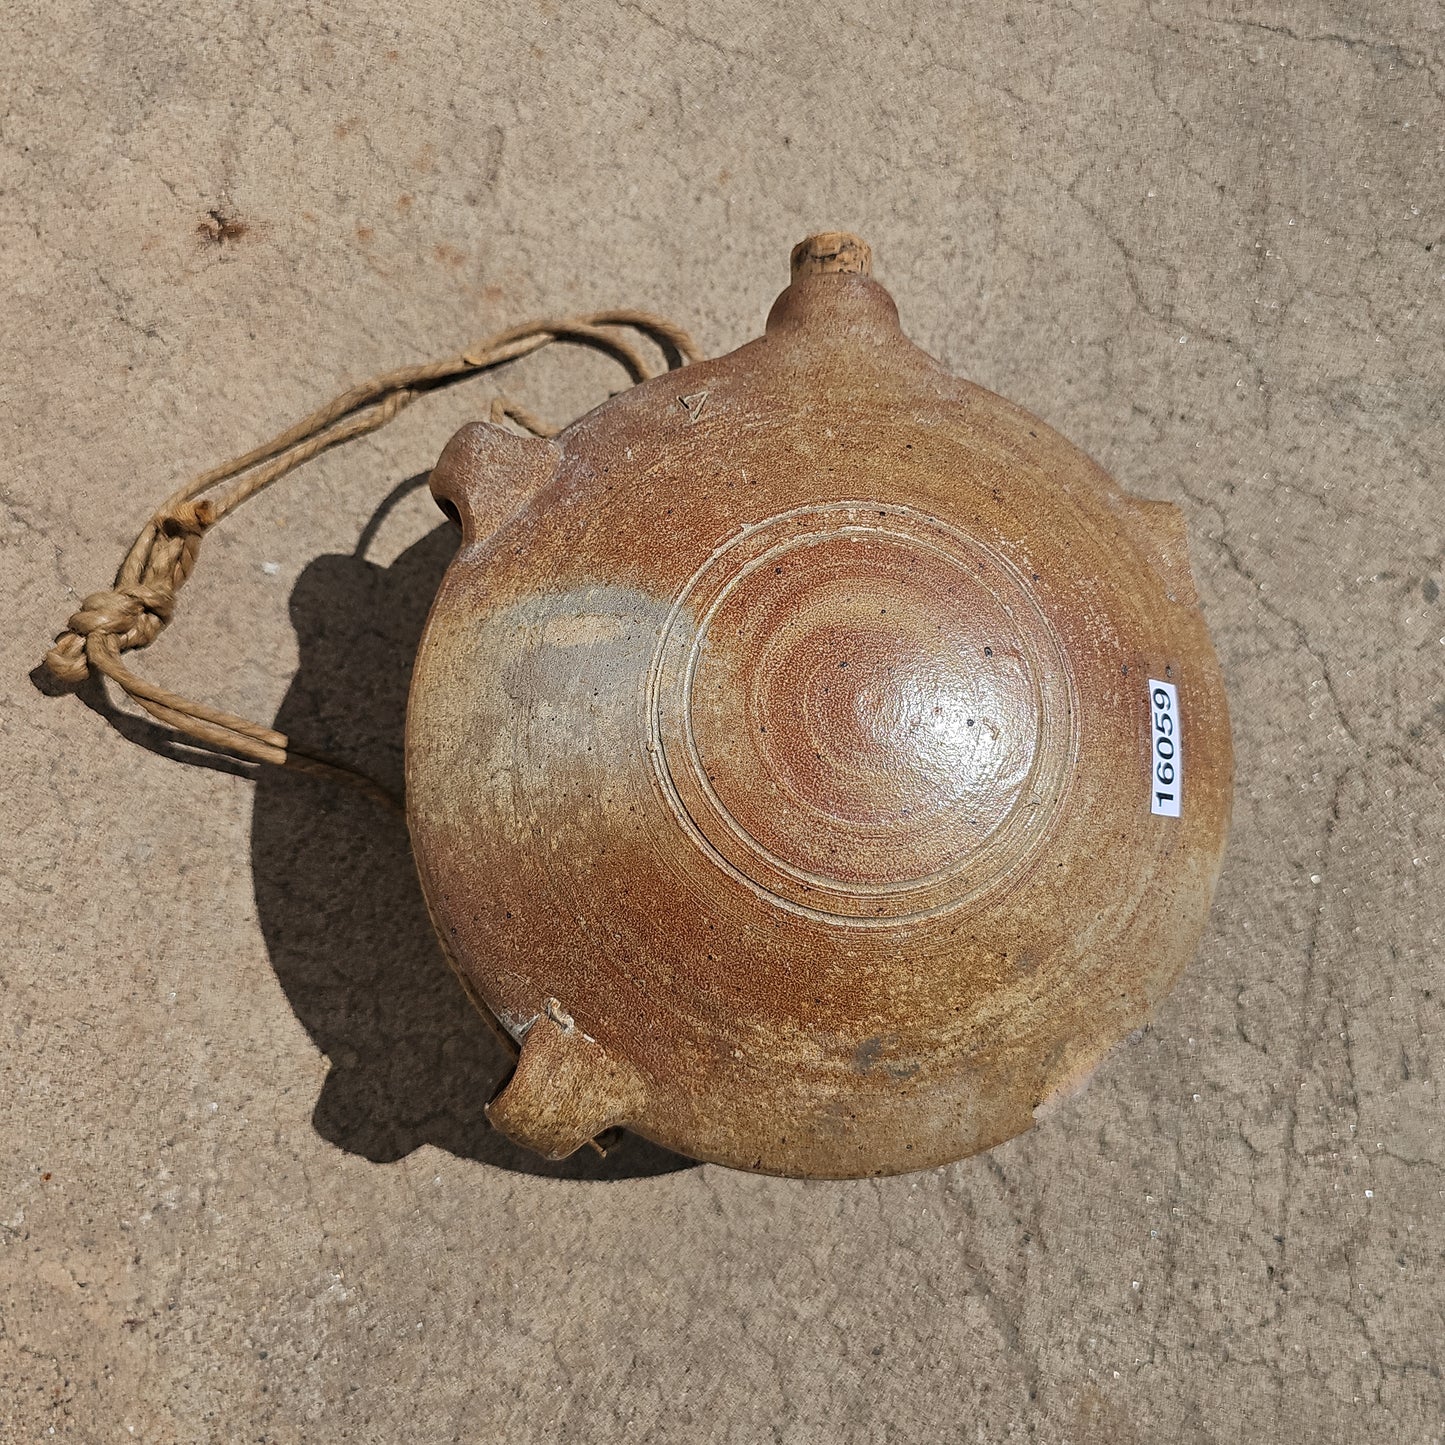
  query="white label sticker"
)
[{"x": 1166, "y": 758}]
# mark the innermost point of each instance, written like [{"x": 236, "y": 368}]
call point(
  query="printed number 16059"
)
[{"x": 1166, "y": 756}]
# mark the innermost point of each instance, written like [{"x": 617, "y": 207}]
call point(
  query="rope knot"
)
[
  {"x": 133, "y": 613},
  {"x": 188, "y": 519}
]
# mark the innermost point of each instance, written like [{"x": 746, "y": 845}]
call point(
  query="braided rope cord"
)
[{"x": 134, "y": 611}]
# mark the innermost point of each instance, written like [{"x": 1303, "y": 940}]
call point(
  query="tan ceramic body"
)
[{"x": 689, "y": 932}]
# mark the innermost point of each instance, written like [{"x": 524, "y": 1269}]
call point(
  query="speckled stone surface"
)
[{"x": 247, "y": 1191}]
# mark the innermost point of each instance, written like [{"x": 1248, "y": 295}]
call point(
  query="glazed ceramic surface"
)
[{"x": 815, "y": 762}]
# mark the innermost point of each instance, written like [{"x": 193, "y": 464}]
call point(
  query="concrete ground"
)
[{"x": 248, "y": 1193}]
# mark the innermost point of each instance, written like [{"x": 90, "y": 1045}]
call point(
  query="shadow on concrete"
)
[{"x": 340, "y": 907}]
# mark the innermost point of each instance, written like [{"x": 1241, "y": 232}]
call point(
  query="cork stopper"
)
[{"x": 832, "y": 253}]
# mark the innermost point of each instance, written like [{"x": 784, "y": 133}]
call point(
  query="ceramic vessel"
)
[{"x": 814, "y": 762}]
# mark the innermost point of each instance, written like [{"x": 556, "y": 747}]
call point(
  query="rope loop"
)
[{"x": 136, "y": 609}]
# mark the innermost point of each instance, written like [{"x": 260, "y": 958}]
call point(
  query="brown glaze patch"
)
[{"x": 858, "y": 712}]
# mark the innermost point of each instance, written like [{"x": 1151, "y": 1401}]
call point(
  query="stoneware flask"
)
[{"x": 814, "y": 762}]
